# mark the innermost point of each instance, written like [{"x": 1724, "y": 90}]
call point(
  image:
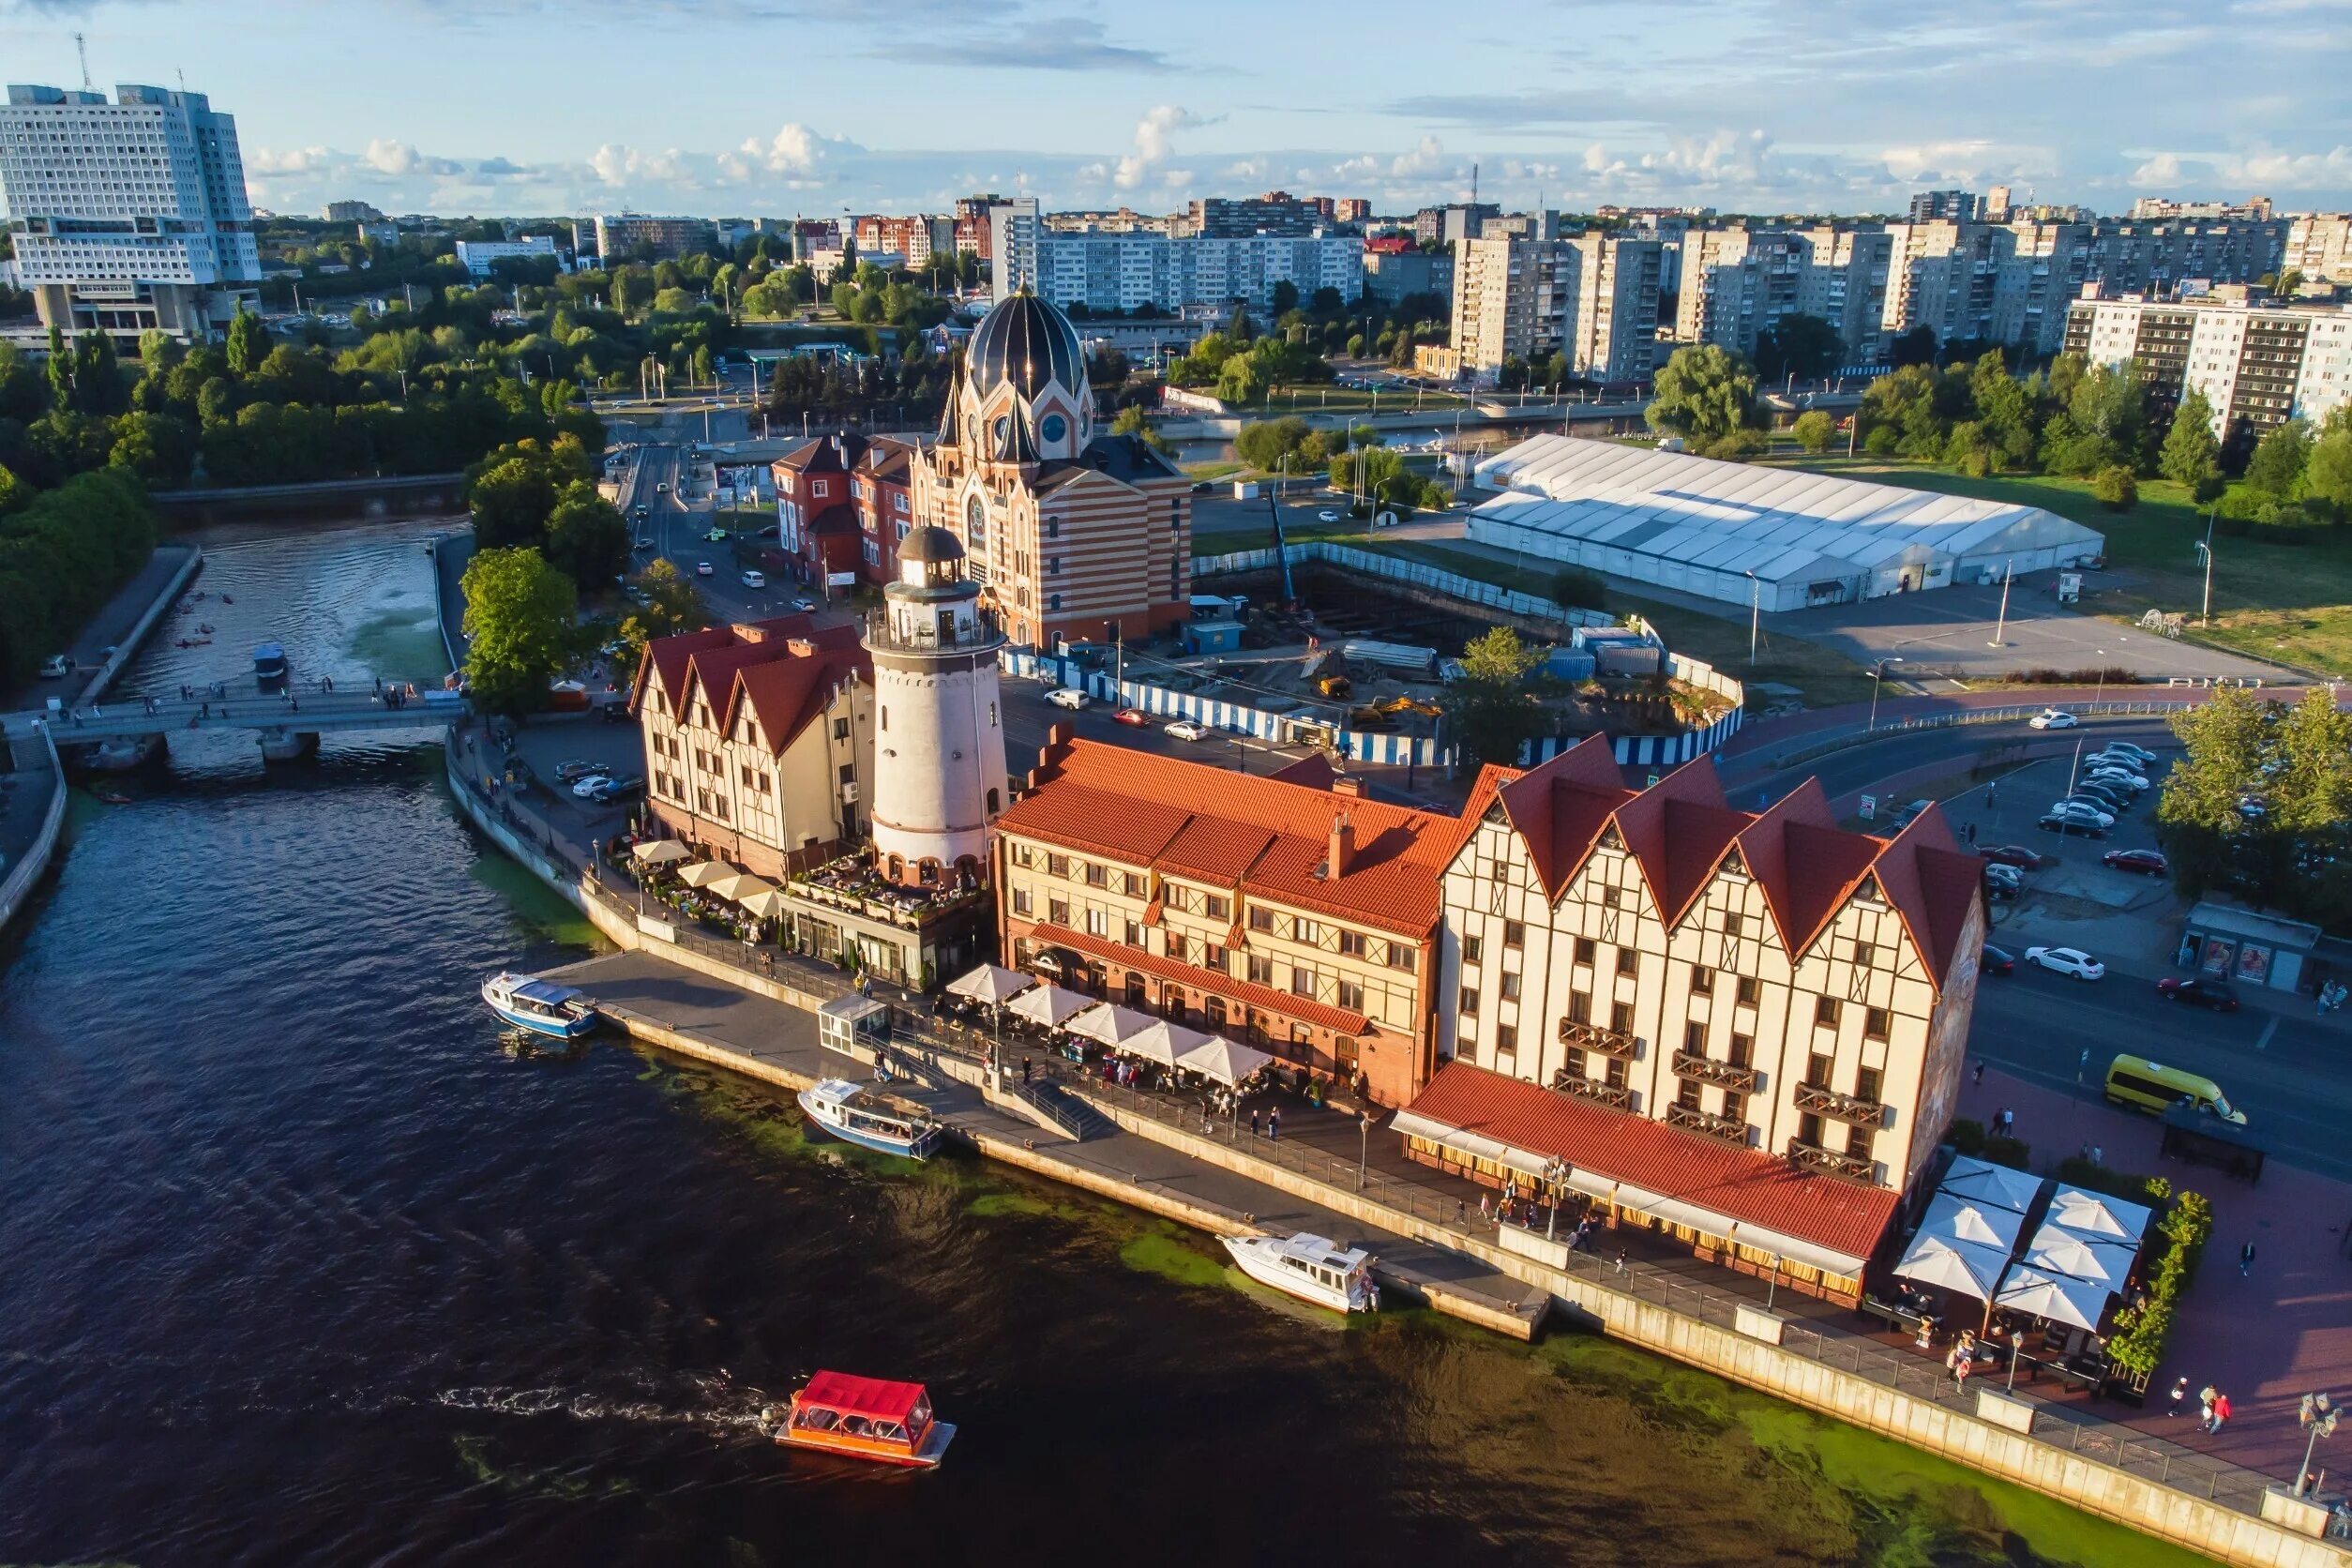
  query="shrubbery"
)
[{"x": 62, "y": 557}]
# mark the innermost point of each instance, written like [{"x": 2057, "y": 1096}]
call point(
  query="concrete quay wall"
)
[{"x": 23, "y": 878}]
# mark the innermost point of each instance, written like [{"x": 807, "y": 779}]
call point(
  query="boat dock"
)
[{"x": 665, "y": 1005}]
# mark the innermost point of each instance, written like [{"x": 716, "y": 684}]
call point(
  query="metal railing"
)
[{"x": 1840, "y": 1108}]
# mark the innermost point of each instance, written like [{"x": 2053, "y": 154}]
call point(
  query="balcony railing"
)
[
  {"x": 981, "y": 635},
  {"x": 1592, "y": 1089},
  {"x": 1707, "y": 1122},
  {"x": 1814, "y": 1157},
  {"x": 1592, "y": 1036},
  {"x": 1707, "y": 1069},
  {"x": 1851, "y": 1109}
]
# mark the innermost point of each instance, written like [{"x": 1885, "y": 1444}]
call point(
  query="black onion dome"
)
[
  {"x": 1027, "y": 342},
  {"x": 930, "y": 543}
]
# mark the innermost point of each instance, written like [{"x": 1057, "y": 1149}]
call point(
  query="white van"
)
[{"x": 1067, "y": 697}]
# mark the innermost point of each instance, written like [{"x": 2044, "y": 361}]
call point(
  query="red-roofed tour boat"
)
[{"x": 866, "y": 1418}]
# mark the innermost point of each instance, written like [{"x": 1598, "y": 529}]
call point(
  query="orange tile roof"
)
[
  {"x": 1561, "y": 807},
  {"x": 788, "y": 689},
  {"x": 1264, "y": 836},
  {"x": 761, "y": 668},
  {"x": 1265, "y": 999},
  {"x": 1743, "y": 1184}
]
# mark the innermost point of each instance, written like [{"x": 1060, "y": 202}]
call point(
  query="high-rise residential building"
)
[
  {"x": 1736, "y": 284},
  {"x": 1455, "y": 222},
  {"x": 1592, "y": 298},
  {"x": 1996, "y": 205},
  {"x": 2159, "y": 255},
  {"x": 1014, "y": 229},
  {"x": 1393, "y": 276},
  {"x": 2319, "y": 246},
  {"x": 625, "y": 236},
  {"x": 2259, "y": 362},
  {"x": 1951, "y": 206},
  {"x": 1350, "y": 209},
  {"x": 1127, "y": 271},
  {"x": 129, "y": 215},
  {"x": 351, "y": 212},
  {"x": 1276, "y": 212},
  {"x": 914, "y": 238},
  {"x": 2253, "y": 208}
]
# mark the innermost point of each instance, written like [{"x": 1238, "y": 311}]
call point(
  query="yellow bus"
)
[{"x": 2135, "y": 1080}]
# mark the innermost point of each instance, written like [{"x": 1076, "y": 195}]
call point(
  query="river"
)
[{"x": 298, "y": 1265}]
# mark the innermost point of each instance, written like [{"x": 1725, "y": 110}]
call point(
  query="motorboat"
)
[
  {"x": 270, "y": 668},
  {"x": 1312, "y": 1268},
  {"x": 866, "y": 1418},
  {"x": 858, "y": 1115},
  {"x": 540, "y": 1006}
]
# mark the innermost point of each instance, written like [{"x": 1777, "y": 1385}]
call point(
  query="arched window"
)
[
  {"x": 991, "y": 803},
  {"x": 927, "y": 873},
  {"x": 898, "y": 869},
  {"x": 976, "y": 523}
]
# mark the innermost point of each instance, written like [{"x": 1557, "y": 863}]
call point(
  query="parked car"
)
[
  {"x": 572, "y": 771},
  {"x": 2013, "y": 855},
  {"x": 806, "y": 605},
  {"x": 1185, "y": 729},
  {"x": 755, "y": 579},
  {"x": 2067, "y": 960},
  {"x": 2108, "y": 797},
  {"x": 2149, "y": 863},
  {"x": 1327, "y": 517},
  {"x": 1067, "y": 697},
  {"x": 56, "y": 667},
  {"x": 2114, "y": 757},
  {"x": 1909, "y": 814},
  {"x": 1996, "y": 960},
  {"x": 2053, "y": 718},
  {"x": 586, "y": 788},
  {"x": 702, "y": 568},
  {"x": 2131, "y": 749},
  {"x": 2214, "y": 994},
  {"x": 1135, "y": 717},
  {"x": 2081, "y": 820},
  {"x": 2120, "y": 771},
  {"x": 2096, "y": 809},
  {"x": 2007, "y": 878}
]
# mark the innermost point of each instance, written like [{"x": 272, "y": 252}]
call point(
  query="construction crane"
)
[{"x": 81, "y": 48}]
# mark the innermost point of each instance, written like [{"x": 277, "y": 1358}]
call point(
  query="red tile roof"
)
[
  {"x": 1561, "y": 807},
  {"x": 1743, "y": 1184},
  {"x": 1266, "y": 836},
  {"x": 755, "y": 663},
  {"x": 1250, "y": 993},
  {"x": 674, "y": 659}
]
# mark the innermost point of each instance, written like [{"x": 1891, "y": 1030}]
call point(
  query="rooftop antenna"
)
[
  {"x": 1473, "y": 166},
  {"x": 183, "y": 77},
  {"x": 81, "y": 48}
]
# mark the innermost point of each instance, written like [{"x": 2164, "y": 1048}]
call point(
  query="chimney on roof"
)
[
  {"x": 1346, "y": 784},
  {"x": 800, "y": 647},
  {"x": 1343, "y": 847},
  {"x": 746, "y": 631}
]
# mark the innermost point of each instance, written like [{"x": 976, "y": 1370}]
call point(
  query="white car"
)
[
  {"x": 586, "y": 788},
  {"x": 755, "y": 579},
  {"x": 2120, "y": 777},
  {"x": 56, "y": 667},
  {"x": 1327, "y": 517},
  {"x": 2128, "y": 749},
  {"x": 2067, "y": 960},
  {"x": 701, "y": 568},
  {"x": 2107, "y": 761},
  {"x": 1185, "y": 729},
  {"x": 1067, "y": 697},
  {"x": 2053, "y": 718},
  {"x": 2083, "y": 805}
]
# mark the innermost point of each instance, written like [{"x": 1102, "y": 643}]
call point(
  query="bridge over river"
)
[{"x": 280, "y": 718}]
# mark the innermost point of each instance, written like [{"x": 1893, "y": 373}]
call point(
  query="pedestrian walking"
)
[
  {"x": 1273, "y": 1125},
  {"x": 1027, "y": 1069},
  {"x": 2205, "y": 1408},
  {"x": 1486, "y": 1205},
  {"x": 1972, "y": 833},
  {"x": 1620, "y": 1260},
  {"x": 1253, "y": 1121},
  {"x": 1979, "y": 1073},
  {"x": 2180, "y": 1391},
  {"x": 2245, "y": 1260},
  {"x": 2221, "y": 1412},
  {"x": 1461, "y": 1205}
]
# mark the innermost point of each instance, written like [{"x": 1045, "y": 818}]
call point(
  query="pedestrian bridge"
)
[{"x": 240, "y": 706}]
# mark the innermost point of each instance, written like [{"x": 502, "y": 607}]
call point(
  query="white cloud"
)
[
  {"x": 2258, "y": 168},
  {"x": 399, "y": 159},
  {"x": 617, "y": 164},
  {"x": 299, "y": 160},
  {"x": 1154, "y": 142}
]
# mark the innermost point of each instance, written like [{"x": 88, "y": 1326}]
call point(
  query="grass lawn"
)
[{"x": 2284, "y": 602}]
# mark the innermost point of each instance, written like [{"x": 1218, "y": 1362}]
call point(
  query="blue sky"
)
[{"x": 776, "y": 107}]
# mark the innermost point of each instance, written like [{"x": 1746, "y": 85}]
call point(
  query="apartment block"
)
[
  {"x": 622, "y": 236},
  {"x": 2259, "y": 362},
  {"x": 1130, "y": 271},
  {"x": 1738, "y": 283},
  {"x": 1593, "y": 298},
  {"x": 2319, "y": 246}
]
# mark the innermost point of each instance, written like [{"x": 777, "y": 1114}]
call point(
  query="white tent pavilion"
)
[
  {"x": 742, "y": 886},
  {"x": 2093, "y": 1259},
  {"x": 993, "y": 984},
  {"x": 1164, "y": 1042},
  {"x": 2094, "y": 1214},
  {"x": 704, "y": 872},
  {"x": 1953, "y": 1265},
  {"x": 1109, "y": 1024},
  {"x": 1224, "y": 1061},
  {"x": 661, "y": 852},
  {"x": 1983, "y": 1181},
  {"x": 1048, "y": 1004},
  {"x": 2054, "y": 1297},
  {"x": 1982, "y": 1223}
]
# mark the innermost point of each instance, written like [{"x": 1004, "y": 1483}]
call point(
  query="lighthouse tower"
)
[{"x": 939, "y": 743}]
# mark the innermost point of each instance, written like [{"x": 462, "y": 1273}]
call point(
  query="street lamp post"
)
[
  {"x": 2100, "y": 694},
  {"x": 2318, "y": 1416},
  {"x": 1363, "y": 1144},
  {"x": 1756, "y": 590},
  {"x": 1878, "y": 672},
  {"x": 2204, "y": 552}
]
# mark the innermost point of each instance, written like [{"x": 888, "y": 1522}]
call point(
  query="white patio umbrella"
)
[
  {"x": 740, "y": 887},
  {"x": 661, "y": 852},
  {"x": 2093, "y": 1259},
  {"x": 1983, "y": 1181},
  {"x": 2094, "y": 1214},
  {"x": 991, "y": 983},
  {"x": 770, "y": 905},
  {"x": 2052, "y": 1296},
  {"x": 704, "y": 872},
  {"x": 1226, "y": 1062},
  {"x": 1110, "y": 1024},
  {"x": 1048, "y": 1004},
  {"x": 1984, "y": 1224},
  {"x": 1164, "y": 1042},
  {"x": 1953, "y": 1265}
]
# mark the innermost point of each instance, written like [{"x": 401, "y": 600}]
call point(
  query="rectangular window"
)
[
  {"x": 1622, "y": 1017},
  {"x": 1020, "y": 854},
  {"x": 1858, "y": 1142},
  {"x": 1574, "y": 1062},
  {"x": 1469, "y": 1002},
  {"x": 1218, "y": 907},
  {"x": 1510, "y": 987},
  {"x": 1825, "y": 1010},
  {"x": 1580, "y": 1006},
  {"x": 1687, "y": 1094},
  {"x": 1400, "y": 954},
  {"x": 1473, "y": 950},
  {"x": 1213, "y": 957},
  {"x": 1176, "y": 944},
  {"x": 1865, "y": 955},
  {"x": 1735, "y": 1105},
  {"x": 1350, "y": 996},
  {"x": 1097, "y": 923},
  {"x": 1695, "y": 1037},
  {"x": 1302, "y": 981},
  {"x": 1307, "y": 930},
  {"x": 1809, "y": 1129},
  {"x": 1877, "y": 1021},
  {"x": 1020, "y": 902},
  {"x": 1098, "y": 875},
  {"x": 1058, "y": 911},
  {"x": 1260, "y": 919},
  {"x": 1744, "y": 1050},
  {"x": 1818, "y": 1070},
  {"x": 1613, "y": 1072},
  {"x": 1751, "y": 989},
  {"x": 1867, "y": 1084},
  {"x": 1702, "y": 980},
  {"x": 1628, "y": 961},
  {"x": 1514, "y": 933},
  {"x": 1506, "y": 1037},
  {"x": 1261, "y": 970},
  {"x": 1133, "y": 933},
  {"x": 1057, "y": 864},
  {"x": 1587, "y": 949},
  {"x": 1612, "y": 898},
  {"x": 1352, "y": 943},
  {"x": 840, "y": 728}
]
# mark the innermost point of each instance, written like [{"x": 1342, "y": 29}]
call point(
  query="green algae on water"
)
[
  {"x": 1164, "y": 1251},
  {"x": 538, "y": 907}
]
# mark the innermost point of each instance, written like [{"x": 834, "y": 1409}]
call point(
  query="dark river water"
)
[{"x": 298, "y": 1266}]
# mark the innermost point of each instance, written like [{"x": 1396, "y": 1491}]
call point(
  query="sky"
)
[{"x": 776, "y": 108}]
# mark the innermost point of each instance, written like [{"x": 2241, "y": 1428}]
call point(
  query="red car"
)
[
  {"x": 2199, "y": 993},
  {"x": 1135, "y": 716},
  {"x": 2012, "y": 855},
  {"x": 2146, "y": 862}
]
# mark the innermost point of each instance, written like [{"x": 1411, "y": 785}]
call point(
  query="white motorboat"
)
[
  {"x": 870, "y": 1121},
  {"x": 539, "y": 1006},
  {"x": 1311, "y": 1268}
]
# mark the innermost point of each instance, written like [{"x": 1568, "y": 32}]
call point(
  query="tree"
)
[
  {"x": 1814, "y": 430},
  {"x": 161, "y": 448},
  {"x": 2198, "y": 811},
  {"x": 97, "y": 376},
  {"x": 248, "y": 342},
  {"x": 2192, "y": 453},
  {"x": 673, "y": 604},
  {"x": 1241, "y": 382},
  {"x": 513, "y": 491},
  {"x": 2115, "y": 488},
  {"x": 1703, "y": 392},
  {"x": 2327, "y": 472},
  {"x": 522, "y": 622},
  {"x": 587, "y": 538},
  {"x": 1286, "y": 297},
  {"x": 1798, "y": 344},
  {"x": 2275, "y": 472},
  {"x": 1494, "y": 707},
  {"x": 60, "y": 370},
  {"x": 1265, "y": 444},
  {"x": 1915, "y": 347},
  {"x": 1130, "y": 421}
]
